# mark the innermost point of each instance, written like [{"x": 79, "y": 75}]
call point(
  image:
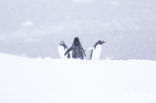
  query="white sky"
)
[{"x": 35, "y": 27}]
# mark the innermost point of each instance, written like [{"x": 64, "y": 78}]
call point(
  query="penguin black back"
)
[
  {"x": 76, "y": 42},
  {"x": 77, "y": 49}
]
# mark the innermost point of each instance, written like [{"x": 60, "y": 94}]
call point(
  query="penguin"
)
[
  {"x": 96, "y": 50},
  {"x": 77, "y": 50},
  {"x": 62, "y": 48}
]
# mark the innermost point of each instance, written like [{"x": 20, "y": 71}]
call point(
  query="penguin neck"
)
[{"x": 98, "y": 46}]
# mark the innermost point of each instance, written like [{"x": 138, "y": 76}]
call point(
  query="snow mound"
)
[{"x": 25, "y": 80}]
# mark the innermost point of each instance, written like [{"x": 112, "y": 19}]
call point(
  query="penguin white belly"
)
[
  {"x": 70, "y": 55},
  {"x": 61, "y": 52},
  {"x": 97, "y": 52}
]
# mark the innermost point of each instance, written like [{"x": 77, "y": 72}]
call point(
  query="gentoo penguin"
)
[
  {"x": 62, "y": 48},
  {"x": 96, "y": 50},
  {"x": 77, "y": 50}
]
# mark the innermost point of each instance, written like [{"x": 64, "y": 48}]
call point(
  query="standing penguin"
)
[
  {"x": 96, "y": 50},
  {"x": 77, "y": 50},
  {"x": 62, "y": 48}
]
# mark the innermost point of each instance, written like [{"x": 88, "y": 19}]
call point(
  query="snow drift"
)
[{"x": 24, "y": 80}]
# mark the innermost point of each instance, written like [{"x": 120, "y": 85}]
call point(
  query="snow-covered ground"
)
[{"x": 25, "y": 80}]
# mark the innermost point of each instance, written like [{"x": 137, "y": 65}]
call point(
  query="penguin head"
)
[
  {"x": 63, "y": 44},
  {"x": 100, "y": 42},
  {"x": 76, "y": 42}
]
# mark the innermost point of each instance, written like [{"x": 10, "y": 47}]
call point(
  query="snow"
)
[{"x": 44, "y": 80}]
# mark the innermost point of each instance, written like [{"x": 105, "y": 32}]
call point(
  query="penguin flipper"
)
[
  {"x": 68, "y": 51},
  {"x": 84, "y": 52}
]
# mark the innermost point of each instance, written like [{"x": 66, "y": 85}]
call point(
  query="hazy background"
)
[{"x": 34, "y": 28}]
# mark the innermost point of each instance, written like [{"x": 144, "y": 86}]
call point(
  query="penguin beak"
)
[{"x": 103, "y": 42}]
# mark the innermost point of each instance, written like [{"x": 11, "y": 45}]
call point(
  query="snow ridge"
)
[{"x": 25, "y": 80}]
